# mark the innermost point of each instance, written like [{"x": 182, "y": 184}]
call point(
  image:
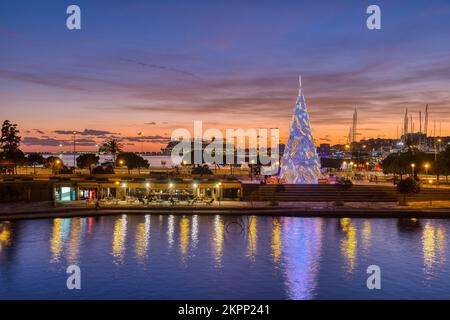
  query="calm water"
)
[{"x": 210, "y": 257}]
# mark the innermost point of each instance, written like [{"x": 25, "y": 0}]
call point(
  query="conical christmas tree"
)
[{"x": 300, "y": 163}]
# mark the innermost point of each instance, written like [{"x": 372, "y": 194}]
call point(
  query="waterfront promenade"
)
[{"x": 45, "y": 209}]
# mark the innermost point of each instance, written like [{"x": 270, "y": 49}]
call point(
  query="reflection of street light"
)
[{"x": 218, "y": 191}]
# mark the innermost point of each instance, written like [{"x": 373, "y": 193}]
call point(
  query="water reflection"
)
[
  {"x": 142, "y": 238},
  {"x": 184, "y": 237},
  {"x": 349, "y": 243},
  {"x": 282, "y": 257},
  {"x": 302, "y": 243},
  {"x": 276, "y": 241},
  {"x": 252, "y": 237},
  {"x": 170, "y": 230},
  {"x": 366, "y": 234},
  {"x": 5, "y": 235},
  {"x": 433, "y": 246},
  {"x": 218, "y": 239},
  {"x": 73, "y": 249},
  {"x": 408, "y": 224},
  {"x": 194, "y": 233},
  {"x": 119, "y": 236}
]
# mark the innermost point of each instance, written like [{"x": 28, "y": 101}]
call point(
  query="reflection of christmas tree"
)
[{"x": 300, "y": 163}]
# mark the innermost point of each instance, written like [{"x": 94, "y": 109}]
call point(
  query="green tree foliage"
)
[
  {"x": 103, "y": 170},
  {"x": 9, "y": 139},
  {"x": 400, "y": 163},
  {"x": 34, "y": 159},
  {"x": 201, "y": 170},
  {"x": 131, "y": 160},
  {"x": 9, "y": 145},
  {"x": 87, "y": 160},
  {"x": 111, "y": 146},
  {"x": 408, "y": 186}
]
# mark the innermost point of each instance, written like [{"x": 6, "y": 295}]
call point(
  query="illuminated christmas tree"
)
[{"x": 300, "y": 163}]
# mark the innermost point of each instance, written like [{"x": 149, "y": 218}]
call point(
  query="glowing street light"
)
[
  {"x": 413, "y": 165},
  {"x": 427, "y": 166},
  {"x": 171, "y": 185}
]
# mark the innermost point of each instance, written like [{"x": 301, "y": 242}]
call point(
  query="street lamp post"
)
[
  {"x": 412, "y": 167},
  {"x": 74, "y": 150},
  {"x": 436, "y": 146},
  {"x": 141, "y": 134},
  {"x": 427, "y": 166}
]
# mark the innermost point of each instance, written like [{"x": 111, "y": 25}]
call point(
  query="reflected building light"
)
[
  {"x": 276, "y": 241},
  {"x": 433, "y": 246},
  {"x": 90, "y": 225},
  {"x": 5, "y": 235},
  {"x": 170, "y": 230},
  {"x": 218, "y": 239},
  {"x": 194, "y": 232},
  {"x": 73, "y": 250},
  {"x": 366, "y": 235},
  {"x": 440, "y": 240},
  {"x": 184, "y": 237},
  {"x": 301, "y": 250},
  {"x": 65, "y": 229},
  {"x": 142, "y": 238},
  {"x": 56, "y": 240},
  {"x": 349, "y": 243},
  {"x": 119, "y": 237},
  {"x": 252, "y": 238}
]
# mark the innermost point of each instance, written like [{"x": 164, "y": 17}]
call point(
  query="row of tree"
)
[
  {"x": 11, "y": 156},
  {"x": 414, "y": 161}
]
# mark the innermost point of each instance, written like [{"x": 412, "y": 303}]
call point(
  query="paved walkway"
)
[{"x": 77, "y": 208}]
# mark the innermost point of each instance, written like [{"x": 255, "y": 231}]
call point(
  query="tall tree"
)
[
  {"x": 35, "y": 159},
  {"x": 9, "y": 144},
  {"x": 10, "y": 139},
  {"x": 87, "y": 160},
  {"x": 111, "y": 146},
  {"x": 132, "y": 161}
]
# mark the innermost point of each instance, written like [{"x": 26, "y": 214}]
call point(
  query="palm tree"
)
[{"x": 111, "y": 146}]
